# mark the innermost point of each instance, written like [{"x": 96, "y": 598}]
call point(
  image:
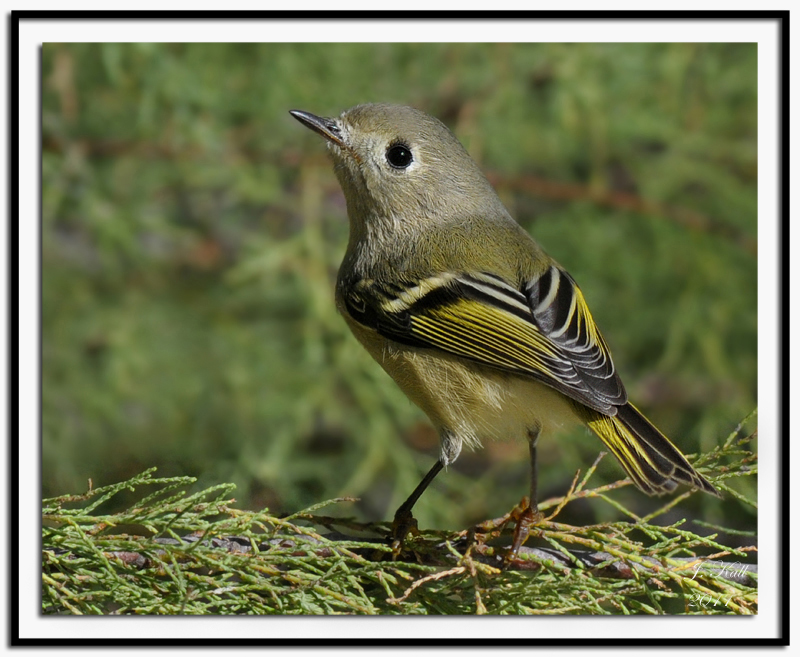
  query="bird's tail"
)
[{"x": 653, "y": 463}]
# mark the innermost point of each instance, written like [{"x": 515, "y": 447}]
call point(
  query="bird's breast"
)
[{"x": 471, "y": 402}]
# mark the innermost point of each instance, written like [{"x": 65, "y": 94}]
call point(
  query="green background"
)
[{"x": 191, "y": 233}]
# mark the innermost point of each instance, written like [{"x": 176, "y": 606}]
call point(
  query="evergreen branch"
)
[{"x": 180, "y": 552}]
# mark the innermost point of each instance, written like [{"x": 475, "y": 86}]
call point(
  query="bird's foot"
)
[
  {"x": 491, "y": 526},
  {"x": 524, "y": 515},
  {"x": 403, "y": 524}
]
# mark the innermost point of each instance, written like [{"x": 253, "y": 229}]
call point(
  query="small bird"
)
[{"x": 479, "y": 327}]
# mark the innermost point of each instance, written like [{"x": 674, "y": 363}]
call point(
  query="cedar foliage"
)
[{"x": 175, "y": 552}]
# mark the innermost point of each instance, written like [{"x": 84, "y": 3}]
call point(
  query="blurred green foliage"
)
[{"x": 191, "y": 233}]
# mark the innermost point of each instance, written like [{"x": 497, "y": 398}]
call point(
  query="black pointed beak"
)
[{"x": 325, "y": 127}]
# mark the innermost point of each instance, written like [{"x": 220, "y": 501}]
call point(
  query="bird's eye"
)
[{"x": 399, "y": 156}]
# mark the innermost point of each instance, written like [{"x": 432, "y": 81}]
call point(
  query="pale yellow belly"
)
[{"x": 469, "y": 403}]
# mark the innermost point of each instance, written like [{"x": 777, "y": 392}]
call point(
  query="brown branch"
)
[
  {"x": 527, "y": 184},
  {"x": 625, "y": 201},
  {"x": 601, "y": 563}
]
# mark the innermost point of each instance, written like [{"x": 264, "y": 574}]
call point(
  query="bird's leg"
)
[
  {"x": 527, "y": 514},
  {"x": 403, "y": 519}
]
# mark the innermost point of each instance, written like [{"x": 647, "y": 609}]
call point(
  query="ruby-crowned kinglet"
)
[{"x": 479, "y": 327}]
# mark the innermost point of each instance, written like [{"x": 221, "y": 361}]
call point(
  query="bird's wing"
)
[{"x": 543, "y": 330}]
